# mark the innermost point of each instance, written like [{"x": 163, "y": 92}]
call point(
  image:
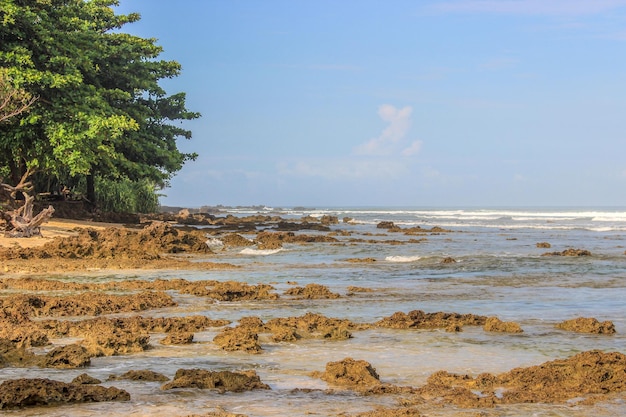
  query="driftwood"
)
[
  {"x": 21, "y": 222},
  {"x": 24, "y": 223}
]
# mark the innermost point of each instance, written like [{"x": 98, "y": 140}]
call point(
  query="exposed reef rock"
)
[
  {"x": 584, "y": 375},
  {"x": 312, "y": 292},
  {"x": 587, "y": 325},
  {"x": 219, "y": 380},
  {"x": 238, "y": 339},
  {"x": 569, "y": 252},
  {"x": 417, "y": 319},
  {"x": 350, "y": 372},
  {"x": 178, "y": 338},
  {"x": 38, "y": 391},
  {"x": 94, "y": 304},
  {"x": 115, "y": 242},
  {"x": 68, "y": 356},
  {"x": 494, "y": 324},
  {"x": 86, "y": 379},
  {"x": 140, "y": 375}
]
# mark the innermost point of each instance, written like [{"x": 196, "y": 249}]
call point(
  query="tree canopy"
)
[{"x": 100, "y": 110}]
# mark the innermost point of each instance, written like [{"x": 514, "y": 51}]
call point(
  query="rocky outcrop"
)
[
  {"x": 86, "y": 379},
  {"x": 94, "y": 304},
  {"x": 115, "y": 242},
  {"x": 232, "y": 291},
  {"x": 238, "y": 338},
  {"x": 114, "y": 341},
  {"x": 418, "y": 319},
  {"x": 584, "y": 375},
  {"x": 587, "y": 325},
  {"x": 178, "y": 338},
  {"x": 494, "y": 324},
  {"x": 351, "y": 373},
  {"x": 312, "y": 292},
  {"x": 219, "y": 380},
  {"x": 140, "y": 375},
  {"x": 569, "y": 252},
  {"x": 38, "y": 391},
  {"x": 311, "y": 326},
  {"x": 67, "y": 357}
]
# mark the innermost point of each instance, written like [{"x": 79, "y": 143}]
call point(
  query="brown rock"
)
[
  {"x": 592, "y": 373},
  {"x": 85, "y": 379},
  {"x": 238, "y": 339},
  {"x": 111, "y": 342},
  {"x": 569, "y": 252},
  {"x": 36, "y": 392},
  {"x": 392, "y": 412},
  {"x": 587, "y": 325},
  {"x": 545, "y": 245},
  {"x": 311, "y": 326},
  {"x": 350, "y": 372},
  {"x": 140, "y": 375},
  {"x": 235, "y": 240},
  {"x": 67, "y": 357},
  {"x": 359, "y": 289},
  {"x": 361, "y": 260},
  {"x": 386, "y": 225},
  {"x": 312, "y": 292},
  {"x": 233, "y": 291},
  {"x": 448, "y": 260},
  {"x": 178, "y": 338},
  {"x": 417, "y": 319},
  {"x": 11, "y": 354},
  {"x": 221, "y": 380},
  {"x": 94, "y": 304},
  {"x": 494, "y": 324}
]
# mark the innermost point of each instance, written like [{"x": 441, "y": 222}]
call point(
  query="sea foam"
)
[
  {"x": 260, "y": 252},
  {"x": 403, "y": 258}
]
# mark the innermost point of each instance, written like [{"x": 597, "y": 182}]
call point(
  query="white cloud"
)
[
  {"x": 531, "y": 7},
  {"x": 413, "y": 149},
  {"x": 392, "y": 138}
]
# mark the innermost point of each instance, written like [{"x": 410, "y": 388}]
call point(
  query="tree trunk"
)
[{"x": 91, "y": 189}]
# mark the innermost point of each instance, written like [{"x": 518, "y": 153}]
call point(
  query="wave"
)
[
  {"x": 403, "y": 258},
  {"x": 214, "y": 243},
  {"x": 260, "y": 252}
]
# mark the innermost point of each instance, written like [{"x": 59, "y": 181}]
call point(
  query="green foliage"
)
[
  {"x": 125, "y": 196},
  {"x": 100, "y": 108}
]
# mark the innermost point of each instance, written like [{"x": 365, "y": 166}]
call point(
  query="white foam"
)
[
  {"x": 403, "y": 258},
  {"x": 214, "y": 243},
  {"x": 260, "y": 252}
]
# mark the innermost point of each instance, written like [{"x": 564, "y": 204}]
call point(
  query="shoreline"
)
[{"x": 266, "y": 319}]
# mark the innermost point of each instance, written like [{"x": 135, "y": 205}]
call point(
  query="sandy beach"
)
[{"x": 215, "y": 320}]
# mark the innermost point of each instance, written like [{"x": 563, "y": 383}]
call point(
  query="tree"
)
[
  {"x": 13, "y": 100},
  {"x": 101, "y": 111}
]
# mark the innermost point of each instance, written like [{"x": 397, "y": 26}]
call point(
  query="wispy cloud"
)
[
  {"x": 392, "y": 139},
  {"x": 344, "y": 168},
  {"x": 531, "y": 7}
]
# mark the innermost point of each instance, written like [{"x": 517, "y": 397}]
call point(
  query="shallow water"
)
[{"x": 499, "y": 271}]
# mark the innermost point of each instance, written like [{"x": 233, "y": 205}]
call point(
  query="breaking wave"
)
[
  {"x": 403, "y": 258},
  {"x": 260, "y": 252}
]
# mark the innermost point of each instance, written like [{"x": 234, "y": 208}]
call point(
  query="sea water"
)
[{"x": 499, "y": 271}]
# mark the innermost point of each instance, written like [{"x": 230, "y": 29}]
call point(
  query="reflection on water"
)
[{"x": 498, "y": 272}]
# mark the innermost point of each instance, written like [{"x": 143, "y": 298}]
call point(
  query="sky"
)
[{"x": 445, "y": 103}]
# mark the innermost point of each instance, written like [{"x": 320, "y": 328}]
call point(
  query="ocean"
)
[{"x": 499, "y": 270}]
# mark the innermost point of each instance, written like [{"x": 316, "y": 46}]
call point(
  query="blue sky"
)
[{"x": 397, "y": 103}]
